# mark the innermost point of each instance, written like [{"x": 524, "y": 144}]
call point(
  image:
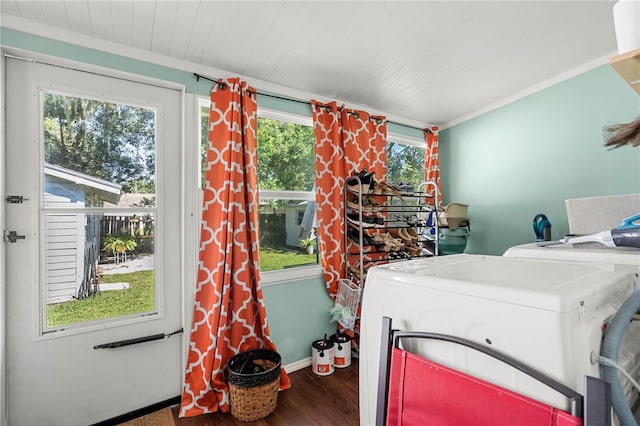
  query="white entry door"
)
[{"x": 92, "y": 246}]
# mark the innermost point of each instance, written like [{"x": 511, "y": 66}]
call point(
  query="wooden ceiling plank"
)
[
  {"x": 79, "y": 17},
  {"x": 205, "y": 21},
  {"x": 122, "y": 19},
  {"x": 101, "y": 20},
  {"x": 163, "y": 26},
  {"x": 10, "y": 7},
  {"x": 55, "y": 14},
  {"x": 32, "y": 10},
  {"x": 144, "y": 13},
  {"x": 184, "y": 27}
]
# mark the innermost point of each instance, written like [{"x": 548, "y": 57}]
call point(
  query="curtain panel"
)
[
  {"x": 229, "y": 315},
  {"x": 431, "y": 159},
  {"x": 346, "y": 141}
]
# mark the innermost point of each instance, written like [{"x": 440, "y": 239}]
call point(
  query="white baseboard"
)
[{"x": 298, "y": 365}]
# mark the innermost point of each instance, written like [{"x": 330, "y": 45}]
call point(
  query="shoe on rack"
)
[
  {"x": 369, "y": 204},
  {"x": 397, "y": 233},
  {"x": 411, "y": 234},
  {"x": 367, "y": 221},
  {"x": 404, "y": 187},
  {"x": 363, "y": 182},
  {"x": 365, "y": 176},
  {"x": 390, "y": 243},
  {"x": 414, "y": 220},
  {"x": 366, "y": 239},
  {"x": 398, "y": 255},
  {"x": 355, "y": 270},
  {"x": 386, "y": 242},
  {"x": 413, "y": 249},
  {"x": 379, "y": 238},
  {"x": 383, "y": 188},
  {"x": 354, "y": 236}
]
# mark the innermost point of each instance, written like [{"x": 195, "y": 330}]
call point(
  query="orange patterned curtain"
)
[
  {"x": 431, "y": 161},
  {"x": 346, "y": 141},
  {"x": 229, "y": 315}
]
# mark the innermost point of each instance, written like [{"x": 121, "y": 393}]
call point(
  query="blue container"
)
[{"x": 452, "y": 241}]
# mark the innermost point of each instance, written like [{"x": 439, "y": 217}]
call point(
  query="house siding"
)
[{"x": 64, "y": 241}]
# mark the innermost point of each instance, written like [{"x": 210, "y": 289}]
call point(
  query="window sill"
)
[{"x": 288, "y": 275}]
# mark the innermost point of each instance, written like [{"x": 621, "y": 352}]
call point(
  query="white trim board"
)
[{"x": 297, "y": 365}]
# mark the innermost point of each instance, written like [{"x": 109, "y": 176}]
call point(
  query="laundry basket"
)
[
  {"x": 254, "y": 379},
  {"x": 348, "y": 302}
]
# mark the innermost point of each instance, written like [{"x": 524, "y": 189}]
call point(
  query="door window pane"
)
[
  {"x": 99, "y": 204},
  {"x": 96, "y": 150},
  {"x": 98, "y": 267}
]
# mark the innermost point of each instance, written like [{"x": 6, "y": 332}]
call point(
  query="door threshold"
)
[{"x": 140, "y": 412}]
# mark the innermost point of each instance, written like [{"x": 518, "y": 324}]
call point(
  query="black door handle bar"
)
[{"x": 135, "y": 341}]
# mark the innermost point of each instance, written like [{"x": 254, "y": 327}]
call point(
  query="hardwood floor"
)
[{"x": 312, "y": 400}]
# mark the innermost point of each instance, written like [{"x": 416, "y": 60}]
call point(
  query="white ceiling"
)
[{"x": 417, "y": 62}]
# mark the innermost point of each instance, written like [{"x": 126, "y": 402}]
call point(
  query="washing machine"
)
[
  {"x": 629, "y": 352},
  {"x": 547, "y": 313}
]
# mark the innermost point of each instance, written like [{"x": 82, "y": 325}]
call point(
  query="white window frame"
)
[{"x": 406, "y": 140}]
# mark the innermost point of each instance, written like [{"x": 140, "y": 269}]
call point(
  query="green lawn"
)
[
  {"x": 140, "y": 297},
  {"x": 274, "y": 259}
]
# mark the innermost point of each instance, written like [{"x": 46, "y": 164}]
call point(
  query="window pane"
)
[
  {"x": 204, "y": 138},
  {"x": 286, "y": 240},
  {"x": 405, "y": 163},
  {"x": 286, "y": 159}
]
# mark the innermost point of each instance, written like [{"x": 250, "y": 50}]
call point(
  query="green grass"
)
[
  {"x": 140, "y": 296},
  {"x": 274, "y": 259}
]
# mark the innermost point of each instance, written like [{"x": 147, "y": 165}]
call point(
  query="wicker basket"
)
[{"x": 254, "y": 379}]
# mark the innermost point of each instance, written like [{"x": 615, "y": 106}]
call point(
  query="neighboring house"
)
[
  {"x": 72, "y": 240},
  {"x": 293, "y": 221}
]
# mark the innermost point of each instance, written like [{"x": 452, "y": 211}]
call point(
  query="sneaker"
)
[{"x": 405, "y": 187}]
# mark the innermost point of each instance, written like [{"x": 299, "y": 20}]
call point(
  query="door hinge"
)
[
  {"x": 15, "y": 199},
  {"x": 12, "y": 236}
]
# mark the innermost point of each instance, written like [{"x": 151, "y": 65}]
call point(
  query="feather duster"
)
[{"x": 623, "y": 134}]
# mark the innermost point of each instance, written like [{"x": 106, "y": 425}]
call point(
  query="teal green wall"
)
[
  {"x": 529, "y": 156},
  {"x": 298, "y": 312}
]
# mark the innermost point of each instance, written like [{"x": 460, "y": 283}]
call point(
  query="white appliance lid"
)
[
  {"x": 545, "y": 284},
  {"x": 579, "y": 252}
]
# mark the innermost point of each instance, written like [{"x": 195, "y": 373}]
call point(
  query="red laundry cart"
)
[{"x": 413, "y": 390}]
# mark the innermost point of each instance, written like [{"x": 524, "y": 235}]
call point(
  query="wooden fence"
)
[{"x": 126, "y": 225}]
